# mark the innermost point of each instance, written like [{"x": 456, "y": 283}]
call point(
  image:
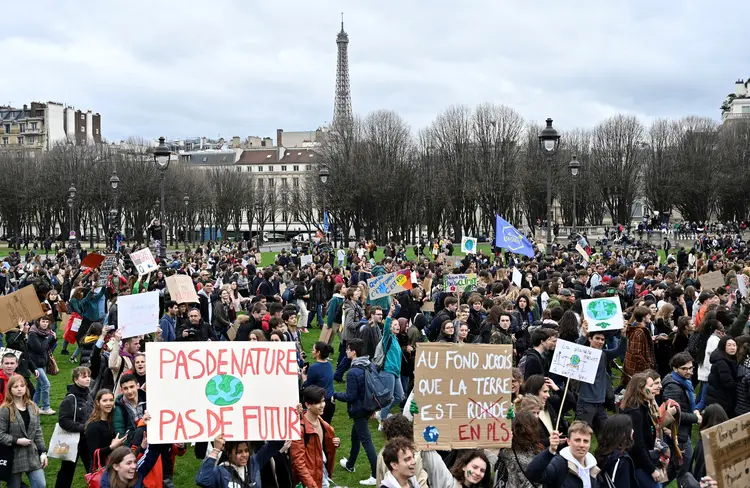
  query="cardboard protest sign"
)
[
  {"x": 244, "y": 390},
  {"x": 143, "y": 261},
  {"x": 469, "y": 245},
  {"x": 583, "y": 253},
  {"x": 19, "y": 305},
  {"x": 463, "y": 392},
  {"x": 711, "y": 281},
  {"x": 427, "y": 286},
  {"x": 108, "y": 264},
  {"x": 460, "y": 283},
  {"x": 388, "y": 284},
  {"x": 181, "y": 289},
  {"x": 603, "y": 314},
  {"x": 138, "y": 314},
  {"x": 727, "y": 452},
  {"x": 306, "y": 259},
  {"x": 575, "y": 361},
  {"x": 428, "y": 306}
]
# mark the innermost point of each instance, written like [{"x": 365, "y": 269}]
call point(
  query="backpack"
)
[
  {"x": 380, "y": 354},
  {"x": 288, "y": 294},
  {"x": 377, "y": 395}
]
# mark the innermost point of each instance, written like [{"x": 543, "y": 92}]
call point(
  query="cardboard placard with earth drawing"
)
[
  {"x": 463, "y": 393},
  {"x": 19, "y": 305},
  {"x": 727, "y": 452}
]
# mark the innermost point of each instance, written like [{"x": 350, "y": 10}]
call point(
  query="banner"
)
[
  {"x": 388, "y": 284},
  {"x": 603, "y": 314},
  {"x": 727, "y": 452},
  {"x": 575, "y": 361},
  {"x": 198, "y": 390},
  {"x": 460, "y": 283},
  {"x": 138, "y": 314},
  {"x": 105, "y": 271},
  {"x": 508, "y": 237},
  {"x": 181, "y": 289},
  {"x": 463, "y": 392},
  {"x": 469, "y": 245},
  {"x": 143, "y": 261},
  {"x": 19, "y": 305}
]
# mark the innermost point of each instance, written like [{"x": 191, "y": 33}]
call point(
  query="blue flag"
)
[{"x": 508, "y": 237}]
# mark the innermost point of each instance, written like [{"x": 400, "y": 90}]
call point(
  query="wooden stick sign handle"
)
[{"x": 559, "y": 414}]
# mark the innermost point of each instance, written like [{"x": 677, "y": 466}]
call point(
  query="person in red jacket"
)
[
  {"x": 317, "y": 444},
  {"x": 9, "y": 365}
]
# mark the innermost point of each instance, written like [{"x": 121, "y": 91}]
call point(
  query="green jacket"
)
[
  {"x": 122, "y": 418},
  {"x": 90, "y": 305}
]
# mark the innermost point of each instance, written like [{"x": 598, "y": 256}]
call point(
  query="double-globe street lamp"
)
[
  {"x": 71, "y": 202},
  {"x": 186, "y": 201},
  {"x": 323, "y": 174},
  {"x": 162, "y": 153},
  {"x": 574, "y": 167},
  {"x": 114, "y": 183},
  {"x": 549, "y": 140}
]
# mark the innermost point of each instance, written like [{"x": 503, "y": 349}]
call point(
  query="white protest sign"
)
[
  {"x": 583, "y": 253},
  {"x": 306, "y": 259},
  {"x": 244, "y": 390},
  {"x": 603, "y": 314},
  {"x": 143, "y": 261},
  {"x": 575, "y": 361},
  {"x": 469, "y": 245},
  {"x": 742, "y": 285},
  {"x": 138, "y": 314},
  {"x": 517, "y": 277}
]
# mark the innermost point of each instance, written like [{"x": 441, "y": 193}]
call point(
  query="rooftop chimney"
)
[{"x": 279, "y": 134}]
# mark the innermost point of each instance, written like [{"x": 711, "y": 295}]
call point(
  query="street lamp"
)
[
  {"x": 258, "y": 210},
  {"x": 114, "y": 183},
  {"x": 162, "y": 154},
  {"x": 186, "y": 201},
  {"x": 549, "y": 140},
  {"x": 71, "y": 202},
  {"x": 574, "y": 167},
  {"x": 324, "y": 173}
]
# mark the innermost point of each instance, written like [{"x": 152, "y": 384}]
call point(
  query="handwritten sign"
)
[
  {"x": 460, "y": 283},
  {"x": 727, "y": 452},
  {"x": 109, "y": 263},
  {"x": 19, "y": 305},
  {"x": 575, "y": 361},
  {"x": 603, "y": 314},
  {"x": 198, "y": 390},
  {"x": 711, "y": 281},
  {"x": 6, "y": 350},
  {"x": 306, "y": 259},
  {"x": 138, "y": 314},
  {"x": 181, "y": 289},
  {"x": 388, "y": 284},
  {"x": 463, "y": 392},
  {"x": 143, "y": 261}
]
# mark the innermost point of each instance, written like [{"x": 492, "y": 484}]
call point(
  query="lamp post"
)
[
  {"x": 161, "y": 158},
  {"x": 574, "y": 167},
  {"x": 71, "y": 203},
  {"x": 323, "y": 174},
  {"x": 114, "y": 183},
  {"x": 549, "y": 140},
  {"x": 186, "y": 201},
  {"x": 258, "y": 210}
]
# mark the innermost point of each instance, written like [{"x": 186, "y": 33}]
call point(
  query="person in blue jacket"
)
[
  {"x": 232, "y": 462},
  {"x": 355, "y": 392},
  {"x": 123, "y": 469}
]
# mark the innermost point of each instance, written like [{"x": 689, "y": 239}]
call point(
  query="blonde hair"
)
[
  {"x": 528, "y": 403},
  {"x": 8, "y": 402}
]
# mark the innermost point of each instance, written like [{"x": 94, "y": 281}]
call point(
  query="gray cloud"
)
[{"x": 188, "y": 68}]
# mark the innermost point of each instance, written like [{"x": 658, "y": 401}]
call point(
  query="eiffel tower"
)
[{"x": 342, "y": 107}]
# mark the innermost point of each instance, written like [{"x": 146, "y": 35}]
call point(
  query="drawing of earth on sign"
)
[
  {"x": 601, "y": 311},
  {"x": 431, "y": 434},
  {"x": 575, "y": 360},
  {"x": 224, "y": 390}
]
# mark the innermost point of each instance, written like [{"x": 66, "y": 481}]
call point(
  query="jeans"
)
[
  {"x": 318, "y": 313},
  {"x": 36, "y": 479},
  {"x": 343, "y": 363},
  {"x": 392, "y": 382},
  {"x": 41, "y": 395},
  {"x": 405, "y": 388},
  {"x": 303, "y": 313},
  {"x": 361, "y": 435}
]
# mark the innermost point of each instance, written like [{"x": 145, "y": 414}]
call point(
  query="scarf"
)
[
  {"x": 42, "y": 333},
  {"x": 688, "y": 386},
  {"x": 364, "y": 361}
]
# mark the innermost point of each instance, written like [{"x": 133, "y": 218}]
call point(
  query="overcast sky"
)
[{"x": 244, "y": 67}]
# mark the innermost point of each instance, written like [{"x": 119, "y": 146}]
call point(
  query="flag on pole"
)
[{"x": 508, "y": 237}]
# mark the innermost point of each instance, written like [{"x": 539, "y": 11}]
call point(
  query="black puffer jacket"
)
[
  {"x": 39, "y": 347},
  {"x": 722, "y": 382},
  {"x": 75, "y": 409},
  {"x": 673, "y": 390}
]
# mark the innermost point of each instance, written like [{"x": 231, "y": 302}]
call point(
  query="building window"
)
[
  {"x": 83, "y": 128},
  {"x": 283, "y": 168},
  {"x": 22, "y": 128},
  {"x": 295, "y": 168},
  {"x": 96, "y": 131},
  {"x": 20, "y": 140},
  {"x": 5, "y": 141},
  {"x": 30, "y": 140},
  {"x": 270, "y": 168},
  {"x": 270, "y": 183},
  {"x": 308, "y": 167},
  {"x": 83, "y": 117},
  {"x": 260, "y": 183},
  {"x": 239, "y": 169},
  {"x": 295, "y": 182},
  {"x": 33, "y": 126},
  {"x": 7, "y": 128},
  {"x": 283, "y": 182},
  {"x": 260, "y": 169}
]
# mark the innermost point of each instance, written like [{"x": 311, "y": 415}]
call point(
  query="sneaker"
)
[
  {"x": 380, "y": 426},
  {"x": 368, "y": 482},
  {"x": 48, "y": 411},
  {"x": 343, "y": 465},
  {"x": 65, "y": 352},
  {"x": 74, "y": 360}
]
